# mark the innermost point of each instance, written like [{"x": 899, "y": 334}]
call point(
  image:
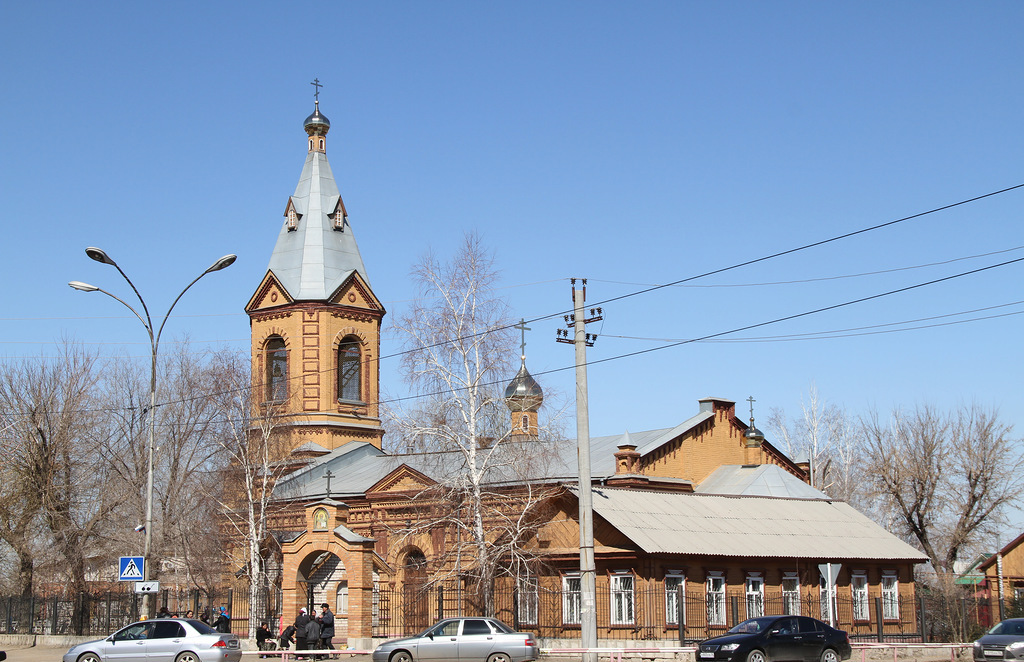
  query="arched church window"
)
[
  {"x": 277, "y": 369},
  {"x": 349, "y": 370}
]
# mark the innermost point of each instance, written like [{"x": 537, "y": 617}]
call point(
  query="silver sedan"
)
[
  {"x": 160, "y": 640},
  {"x": 462, "y": 639}
]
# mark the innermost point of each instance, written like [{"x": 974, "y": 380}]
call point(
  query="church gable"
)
[
  {"x": 269, "y": 294},
  {"x": 402, "y": 479},
  {"x": 355, "y": 292}
]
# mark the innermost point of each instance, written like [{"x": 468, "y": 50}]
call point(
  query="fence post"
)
[
  {"x": 1002, "y": 612},
  {"x": 680, "y": 613},
  {"x": 923, "y": 621},
  {"x": 53, "y": 618},
  {"x": 440, "y": 602},
  {"x": 10, "y": 607},
  {"x": 735, "y": 611},
  {"x": 878, "y": 616}
]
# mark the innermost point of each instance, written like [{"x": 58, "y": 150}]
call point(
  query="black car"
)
[
  {"x": 777, "y": 639},
  {"x": 1005, "y": 641}
]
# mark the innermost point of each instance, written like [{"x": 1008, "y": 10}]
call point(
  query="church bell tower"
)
[{"x": 315, "y": 320}]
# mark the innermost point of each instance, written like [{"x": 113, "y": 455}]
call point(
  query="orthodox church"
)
[{"x": 696, "y": 526}]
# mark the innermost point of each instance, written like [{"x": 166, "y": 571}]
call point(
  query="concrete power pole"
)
[{"x": 588, "y": 569}]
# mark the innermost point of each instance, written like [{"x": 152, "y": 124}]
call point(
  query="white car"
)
[
  {"x": 464, "y": 640},
  {"x": 160, "y": 640}
]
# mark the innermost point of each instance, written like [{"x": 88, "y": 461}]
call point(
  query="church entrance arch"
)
[
  {"x": 415, "y": 599},
  {"x": 318, "y": 578}
]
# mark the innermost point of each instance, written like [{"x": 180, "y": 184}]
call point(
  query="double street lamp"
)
[{"x": 154, "y": 344}]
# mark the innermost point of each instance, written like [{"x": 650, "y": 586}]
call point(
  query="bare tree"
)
[
  {"x": 255, "y": 447},
  {"x": 946, "y": 479},
  {"x": 460, "y": 357},
  {"x": 188, "y": 428},
  {"x": 56, "y": 476},
  {"x": 830, "y": 440}
]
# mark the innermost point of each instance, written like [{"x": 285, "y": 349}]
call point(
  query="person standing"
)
[
  {"x": 312, "y": 635},
  {"x": 326, "y": 619},
  {"x": 223, "y": 622}
]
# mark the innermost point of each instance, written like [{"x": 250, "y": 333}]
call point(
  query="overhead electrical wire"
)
[{"x": 705, "y": 274}]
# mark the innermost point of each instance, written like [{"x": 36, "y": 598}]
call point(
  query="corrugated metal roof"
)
[
  {"x": 313, "y": 260},
  {"x": 673, "y": 523},
  {"x": 757, "y": 480}
]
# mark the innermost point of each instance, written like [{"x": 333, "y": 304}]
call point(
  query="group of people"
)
[{"x": 310, "y": 631}]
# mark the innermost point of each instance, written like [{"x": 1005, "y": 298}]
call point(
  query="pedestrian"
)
[
  {"x": 326, "y": 619},
  {"x": 223, "y": 622},
  {"x": 189, "y": 614},
  {"x": 264, "y": 638},
  {"x": 301, "y": 621},
  {"x": 312, "y": 635},
  {"x": 287, "y": 637},
  {"x": 205, "y": 615},
  {"x": 164, "y": 612}
]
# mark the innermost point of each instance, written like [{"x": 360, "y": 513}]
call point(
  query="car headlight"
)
[
  {"x": 1016, "y": 646},
  {"x": 729, "y": 647}
]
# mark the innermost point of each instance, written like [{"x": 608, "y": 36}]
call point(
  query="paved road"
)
[{"x": 46, "y": 654}]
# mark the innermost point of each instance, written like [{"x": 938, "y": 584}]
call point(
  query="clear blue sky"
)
[{"x": 630, "y": 143}]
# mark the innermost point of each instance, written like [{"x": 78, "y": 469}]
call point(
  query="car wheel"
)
[
  {"x": 756, "y": 656},
  {"x": 88, "y": 657},
  {"x": 829, "y": 655},
  {"x": 499, "y": 657},
  {"x": 187, "y": 656},
  {"x": 400, "y": 656}
]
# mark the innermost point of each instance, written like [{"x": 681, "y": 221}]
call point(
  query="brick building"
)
[{"x": 696, "y": 526}]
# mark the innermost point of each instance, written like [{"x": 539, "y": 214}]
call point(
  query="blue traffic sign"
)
[{"x": 131, "y": 569}]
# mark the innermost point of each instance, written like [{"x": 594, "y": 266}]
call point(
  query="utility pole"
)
[{"x": 588, "y": 570}]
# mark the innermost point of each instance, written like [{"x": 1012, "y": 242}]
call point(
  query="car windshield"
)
[
  {"x": 1008, "y": 627},
  {"x": 752, "y": 626}
]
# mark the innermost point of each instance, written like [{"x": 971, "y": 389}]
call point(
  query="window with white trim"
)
[
  {"x": 791, "y": 594},
  {"x": 828, "y": 601},
  {"x": 675, "y": 584},
  {"x": 890, "y": 597},
  {"x": 755, "y": 595},
  {"x": 341, "y": 597},
  {"x": 716, "y": 599},
  {"x": 622, "y": 598},
  {"x": 859, "y": 593},
  {"x": 571, "y": 599},
  {"x": 529, "y": 598}
]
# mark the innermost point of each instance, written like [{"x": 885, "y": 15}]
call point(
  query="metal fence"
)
[
  {"x": 100, "y": 613},
  {"x": 634, "y": 615}
]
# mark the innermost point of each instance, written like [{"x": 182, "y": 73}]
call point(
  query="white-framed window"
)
[
  {"x": 375, "y": 601},
  {"x": 716, "y": 598},
  {"x": 859, "y": 593},
  {"x": 890, "y": 596},
  {"x": 755, "y": 595},
  {"x": 675, "y": 584},
  {"x": 791, "y": 594},
  {"x": 571, "y": 599},
  {"x": 529, "y": 599},
  {"x": 341, "y": 597},
  {"x": 828, "y": 601},
  {"x": 622, "y": 598}
]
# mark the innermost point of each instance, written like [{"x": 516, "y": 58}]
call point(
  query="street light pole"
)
[{"x": 154, "y": 345}]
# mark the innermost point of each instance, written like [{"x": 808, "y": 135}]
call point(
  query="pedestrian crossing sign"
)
[{"x": 130, "y": 568}]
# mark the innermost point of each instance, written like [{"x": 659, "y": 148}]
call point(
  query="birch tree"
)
[
  {"x": 255, "y": 447},
  {"x": 830, "y": 440},
  {"x": 460, "y": 355}
]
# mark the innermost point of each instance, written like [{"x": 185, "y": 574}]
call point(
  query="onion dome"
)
[
  {"x": 753, "y": 436},
  {"x": 317, "y": 123},
  {"x": 523, "y": 393}
]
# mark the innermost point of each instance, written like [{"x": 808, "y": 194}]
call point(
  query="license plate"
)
[
  {"x": 993, "y": 653},
  {"x": 706, "y": 654}
]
